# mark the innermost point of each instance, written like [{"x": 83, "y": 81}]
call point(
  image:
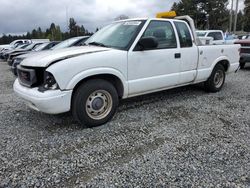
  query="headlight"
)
[{"x": 49, "y": 82}]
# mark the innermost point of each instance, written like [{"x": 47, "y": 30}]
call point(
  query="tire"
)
[
  {"x": 242, "y": 65},
  {"x": 94, "y": 102},
  {"x": 216, "y": 80}
]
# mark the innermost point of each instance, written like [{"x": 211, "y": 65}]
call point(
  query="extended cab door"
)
[
  {"x": 188, "y": 52},
  {"x": 154, "y": 69}
]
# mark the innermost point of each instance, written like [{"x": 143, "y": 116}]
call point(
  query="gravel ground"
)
[{"x": 183, "y": 137}]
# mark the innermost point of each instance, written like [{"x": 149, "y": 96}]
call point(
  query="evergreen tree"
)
[
  {"x": 212, "y": 14},
  {"x": 240, "y": 22},
  {"x": 72, "y": 27},
  {"x": 247, "y": 16},
  {"x": 34, "y": 34},
  {"x": 53, "y": 33}
]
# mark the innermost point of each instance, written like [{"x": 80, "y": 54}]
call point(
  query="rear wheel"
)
[
  {"x": 94, "y": 102},
  {"x": 216, "y": 81}
]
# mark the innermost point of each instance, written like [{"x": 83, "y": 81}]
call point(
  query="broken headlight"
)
[{"x": 49, "y": 82}]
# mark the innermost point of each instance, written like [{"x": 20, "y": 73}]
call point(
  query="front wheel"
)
[
  {"x": 94, "y": 102},
  {"x": 216, "y": 80}
]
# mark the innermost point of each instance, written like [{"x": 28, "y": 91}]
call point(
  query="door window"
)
[{"x": 163, "y": 32}]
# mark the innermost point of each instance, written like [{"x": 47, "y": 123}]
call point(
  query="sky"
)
[
  {"x": 18, "y": 16},
  {"x": 24, "y": 15}
]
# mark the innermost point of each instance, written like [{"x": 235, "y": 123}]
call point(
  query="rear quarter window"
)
[{"x": 184, "y": 34}]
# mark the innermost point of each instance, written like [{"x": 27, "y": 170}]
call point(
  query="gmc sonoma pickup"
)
[{"x": 124, "y": 59}]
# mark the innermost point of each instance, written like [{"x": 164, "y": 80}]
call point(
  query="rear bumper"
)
[{"x": 51, "y": 102}]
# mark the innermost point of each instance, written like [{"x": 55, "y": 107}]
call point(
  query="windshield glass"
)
[
  {"x": 200, "y": 33},
  {"x": 66, "y": 43},
  {"x": 117, "y": 35},
  {"x": 40, "y": 47},
  {"x": 22, "y": 46},
  {"x": 29, "y": 47}
]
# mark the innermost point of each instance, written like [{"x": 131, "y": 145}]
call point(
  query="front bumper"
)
[
  {"x": 50, "y": 102},
  {"x": 244, "y": 58}
]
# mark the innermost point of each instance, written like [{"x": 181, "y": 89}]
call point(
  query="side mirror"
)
[{"x": 147, "y": 43}]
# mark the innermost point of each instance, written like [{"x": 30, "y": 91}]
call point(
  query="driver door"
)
[{"x": 155, "y": 69}]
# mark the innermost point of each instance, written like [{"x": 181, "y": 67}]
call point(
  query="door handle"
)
[{"x": 177, "y": 55}]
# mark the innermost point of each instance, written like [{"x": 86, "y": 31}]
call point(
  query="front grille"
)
[
  {"x": 245, "y": 50},
  {"x": 245, "y": 44},
  {"x": 30, "y": 76}
]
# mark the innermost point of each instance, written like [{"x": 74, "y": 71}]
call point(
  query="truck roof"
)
[{"x": 146, "y": 19}]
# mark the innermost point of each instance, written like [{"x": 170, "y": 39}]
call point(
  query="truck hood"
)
[{"x": 44, "y": 59}]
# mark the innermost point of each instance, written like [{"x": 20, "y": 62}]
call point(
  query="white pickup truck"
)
[{"x": 124, "y": 59}]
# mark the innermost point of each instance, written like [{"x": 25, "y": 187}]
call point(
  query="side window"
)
[
  {"x": 163, "y": 32},
  {"x": 184, "y": 34}
]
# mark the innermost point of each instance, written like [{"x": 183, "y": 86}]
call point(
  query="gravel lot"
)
[{"x": 178, "y": 138}]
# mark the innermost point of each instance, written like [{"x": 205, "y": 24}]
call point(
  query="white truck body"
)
[{"x": 138, "y": 71}]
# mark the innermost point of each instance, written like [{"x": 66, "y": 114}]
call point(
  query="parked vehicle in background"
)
[
  {"x": 4, "y": 51},
  {"x": 19, "y": 57},
  {"x": 75, "y": 41},
  {"x": 244, "y": 52},
  {"x": 217, "y": 35},
  {"x": 16, "y": 43},
  {"x": 244, "y": 37},
  {"x": 231, "y": 39},
  {"x": 17, "y": 52},
  {"x": 124, "y": 59},
  {"x": 45, "y": 46}
]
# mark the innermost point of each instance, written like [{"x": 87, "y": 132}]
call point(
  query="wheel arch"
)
[
  {"x": 111, "y": 75},
  {"x": 224, "y": 61},
  {"x": 114, "y": 80}
]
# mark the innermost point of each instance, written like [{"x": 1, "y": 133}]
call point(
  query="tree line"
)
[
  {"x": 53, "y": 33},
  {"x": 213, "y": 14}
]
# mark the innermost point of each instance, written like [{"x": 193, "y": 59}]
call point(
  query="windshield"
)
[
  {"x": 117, "y": 35},
  {"x": 22, "y": 46},
  {"x": 66, "y": 43},
  {"x": 40, "y": 47},
  {"x": 201, "y": 34},
  {"x": 29, "y": 47}
]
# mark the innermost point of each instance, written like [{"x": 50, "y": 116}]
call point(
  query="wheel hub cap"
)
[
  {"x": 99, "y": 104},
  {"x": 218, "y": 78}
]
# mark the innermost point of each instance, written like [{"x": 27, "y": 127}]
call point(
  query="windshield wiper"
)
[{"x": 97, "y": 44}]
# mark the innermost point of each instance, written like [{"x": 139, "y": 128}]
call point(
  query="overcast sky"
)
[{"x": 25, "y": 15}]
